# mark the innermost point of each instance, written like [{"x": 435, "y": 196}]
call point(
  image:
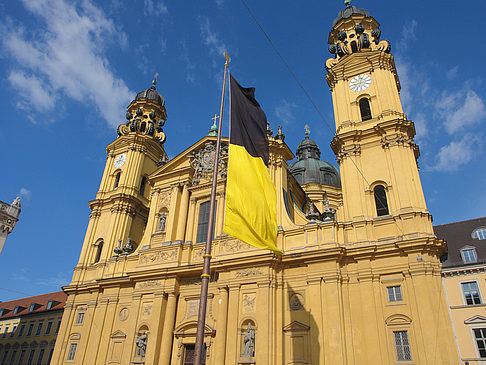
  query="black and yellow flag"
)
[{"x": 251, "y": 199}]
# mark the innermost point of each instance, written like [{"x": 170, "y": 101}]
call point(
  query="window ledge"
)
[{"x": 468, "y": 306}]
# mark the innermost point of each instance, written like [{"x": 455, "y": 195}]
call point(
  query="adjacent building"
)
[
  {"x": 359, "y": 280},
  {"x": 464, "y": 278},
  {"x": 9, "y": 215},
  {"x": 29, "y": 327}
]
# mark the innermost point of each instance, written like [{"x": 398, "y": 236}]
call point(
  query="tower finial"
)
[
  {"x": 307, "y": 131},
  {"x": 347, "y": 2},
  {"x": 154, "y": 81}
]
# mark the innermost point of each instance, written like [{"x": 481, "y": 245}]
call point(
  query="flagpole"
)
[{"x": 201, "y": 320}]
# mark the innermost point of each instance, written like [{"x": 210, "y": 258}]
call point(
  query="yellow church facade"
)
[{"x": 359, "y": 280}]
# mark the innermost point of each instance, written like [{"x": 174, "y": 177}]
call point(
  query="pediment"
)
[
  {"x": 75, "y": 336},
  {"x": 118, "y": 334},
  {"x": 397, "y": 319},
  {"x": 182, "y": 160},
  {"x": 296, "y": 326},
  {"x": 187, "y": 329},
  {"x": 475, "y": 320}
]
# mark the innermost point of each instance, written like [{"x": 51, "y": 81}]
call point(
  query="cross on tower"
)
[{"x": 215, "y": 118}]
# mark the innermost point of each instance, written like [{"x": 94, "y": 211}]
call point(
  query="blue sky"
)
[{"x": 68, "y": 70}]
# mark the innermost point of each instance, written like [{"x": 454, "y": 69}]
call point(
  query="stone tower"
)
[{"x": 119, "y": 213}]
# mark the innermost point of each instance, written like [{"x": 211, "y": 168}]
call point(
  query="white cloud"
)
[
  {"x": 67, "y": 57},
  {"x": 460, "y": 110},
  {"x": 452, "y": 73},
  {"x": 190, "y": 66},
  {"x": 25, "y": 193},
  {"x": 457, "y": 153},
  {"x": 284, "y": 111},
  {"x": 409, "y": 34},
  {"x": 33, "y": 92},
  {"x": 210, "y": 38},
  {"x": 155, "y": 7}
]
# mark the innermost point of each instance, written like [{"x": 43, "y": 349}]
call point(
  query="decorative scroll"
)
[{"x": 248, "y": 272}]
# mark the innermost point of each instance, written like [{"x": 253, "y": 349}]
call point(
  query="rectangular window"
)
[
  {"x": 39, "y": 328},
  {"x": 51, "y": 351},
  {"x": 21, "y": 330},
  {"x": 471, "y": 293},
  {"x": 80, "y": 318},
  {"x": 49, "y": 304},
  {"x": 14, "y": 328},
  {"x": 72, "y": 351},
  {"x": 4, "y": 358},
  {"x": 203, "y": 222},
  {"x": 31, "y": 357},
  {"x": 394, "y": 293},
  {"x": 480, "y": 334},
  {"x": 58, "y": 325},
  {"x": 12, "y": 359},
  {"x": 48, "y": 327},
  {"x": 41, "y": 355},
  {"x": 5, "y": 332},
  {"x": 468, "y": 255},
  {"x": 402, "y": 346},
  {"x": 21, "y": 357},
  {"x": 30, "y": 329}
]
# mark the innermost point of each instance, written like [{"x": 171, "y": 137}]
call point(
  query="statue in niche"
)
[
  {"x": 162, "y": 220},
  {"x": 249, "y": 342},
  {"x": 141, "y": 342}
]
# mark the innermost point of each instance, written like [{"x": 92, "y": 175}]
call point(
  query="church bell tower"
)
[
  {"x": 120, "y": 211},
  {"x": 374, "y": 142}
]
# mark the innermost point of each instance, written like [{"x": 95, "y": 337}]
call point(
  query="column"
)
[
  {"x": 182, "y": 216},
  {"x": 153, "y": 344},
  {"x": 190, "y": 220},
  {"x": 221, "y": 326},
  {"x": 218, "y": 229},
  {"x": 167, "y": 335},
  {"x": 232, "y": 335}
]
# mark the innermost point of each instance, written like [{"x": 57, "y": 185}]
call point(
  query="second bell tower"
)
[{"x": 374, "y": 139}]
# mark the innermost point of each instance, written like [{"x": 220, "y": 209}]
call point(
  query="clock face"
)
[
  {"x": 120, "y": 160},
  {"x": 360, "y": 83}
]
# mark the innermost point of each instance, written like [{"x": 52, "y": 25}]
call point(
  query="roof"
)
[
  {"x": 458, "y": 235},
  {"x": 58, "y": 298},
  {"x": 348, "y": 12}
]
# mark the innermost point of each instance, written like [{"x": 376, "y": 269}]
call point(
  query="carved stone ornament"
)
[
  {"x": 248, "y": 272},
  {"x": 232, "y": 246},
  {"x": 202, "y": 161},
  {"x": 296, "y": 301},
  {"x": 249, "y": 342},
  {"x": 146, "y": 310},
  {"x": 154, "y": 257},
  {"x": 123, "y": 315},
  {"x": 249, "y": 303}
]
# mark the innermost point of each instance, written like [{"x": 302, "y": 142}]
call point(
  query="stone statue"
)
[
  {"x": 162, "y": 220},
  {"x": 141, "y": 342},
  {"x": 249, "y": 342}
]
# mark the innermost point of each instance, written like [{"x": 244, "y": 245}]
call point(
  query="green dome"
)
[{"x": 309, "y": 169}]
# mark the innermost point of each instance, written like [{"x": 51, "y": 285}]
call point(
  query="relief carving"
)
[
  {"x": 249, "y": 303},
  {"x": 149, "y": 284},
  {"x": 202, "y": 161},
  {"x": 296, "y": 301},
  {"x": 192, "y": 308},
  {"x": 198, "y": 254},
  {"x": 234, "y": 246},
  {"x": 248, "y": 272},
  {"x": 153, "y": 257},
  {"x": 146, "y": 310},
  {"x": 123, "y": 315}
]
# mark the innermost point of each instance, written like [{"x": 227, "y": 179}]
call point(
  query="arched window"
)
[
  {"x": 380, "y": 201},
  {"x": 142, "y": 185},
  {"x": 364, "y": 108},
  {"x": 99, "y": 249},
  {"x": 479, "y": 233},
  {"x": 117, "y": 179}
]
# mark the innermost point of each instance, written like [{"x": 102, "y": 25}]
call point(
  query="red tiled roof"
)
[{"x": 58, "y": 298}]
